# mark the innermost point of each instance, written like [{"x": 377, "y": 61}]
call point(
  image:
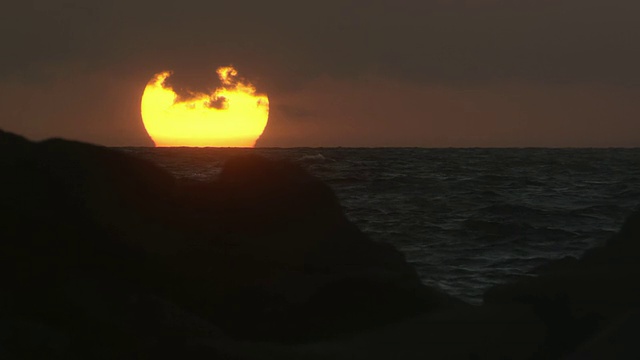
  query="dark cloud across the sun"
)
[{"x": 283, "y": 46}]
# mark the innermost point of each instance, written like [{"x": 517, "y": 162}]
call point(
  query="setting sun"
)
[{"x": 233, "y": 115}]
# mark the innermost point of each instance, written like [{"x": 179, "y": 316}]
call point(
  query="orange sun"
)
[{"x": 233, "y": 115}]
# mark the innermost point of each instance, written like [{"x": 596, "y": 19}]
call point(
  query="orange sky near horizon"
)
[{"x": 373, "y": 112}]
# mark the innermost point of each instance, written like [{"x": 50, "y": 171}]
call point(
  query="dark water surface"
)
[{"x": 465, "y": 218}]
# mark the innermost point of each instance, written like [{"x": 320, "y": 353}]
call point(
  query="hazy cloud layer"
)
[{"x": 569, "y": 40}]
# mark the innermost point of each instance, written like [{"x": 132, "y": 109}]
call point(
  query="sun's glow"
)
[{"x": 233, "y": 115}]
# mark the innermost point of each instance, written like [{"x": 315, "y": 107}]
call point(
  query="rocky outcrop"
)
[
  {"x": 107, "y": 256},
  {"x": 264, "y": 252},
  {"x": 579, "y": 299}
]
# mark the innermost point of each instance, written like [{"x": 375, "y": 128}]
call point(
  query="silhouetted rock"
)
[
  {"x": 580, "y": 298},
  {"x": 264, "y": 252},
  {"x": 108, "y": 256}
]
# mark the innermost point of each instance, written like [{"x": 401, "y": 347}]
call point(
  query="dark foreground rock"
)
[
  {"x": 107, "y": 256},
  {"x": 587, "y": 305},
  {"x": 97, "y": 245}
]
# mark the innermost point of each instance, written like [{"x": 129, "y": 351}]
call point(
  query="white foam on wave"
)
[{"x": 314, "y": 158}]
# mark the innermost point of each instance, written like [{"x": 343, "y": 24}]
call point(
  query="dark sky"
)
[{"x": 338, "y": 73}]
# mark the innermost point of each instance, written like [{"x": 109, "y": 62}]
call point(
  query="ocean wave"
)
[{"x": 315, "y": 158}]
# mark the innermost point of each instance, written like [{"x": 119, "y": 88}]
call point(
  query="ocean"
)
[{"x": 466, "y": 219}]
